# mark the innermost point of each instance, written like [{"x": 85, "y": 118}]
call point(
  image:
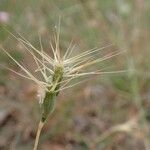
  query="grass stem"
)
[{"x": 41, "y": 124}]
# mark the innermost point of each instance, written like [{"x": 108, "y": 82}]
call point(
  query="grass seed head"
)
[{"x": 58, "y": 71}]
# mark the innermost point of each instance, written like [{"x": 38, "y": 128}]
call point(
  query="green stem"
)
[{"x": 48, "y": 105}]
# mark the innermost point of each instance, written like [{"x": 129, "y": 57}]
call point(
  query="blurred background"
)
[{"x": 108, "y": 112}]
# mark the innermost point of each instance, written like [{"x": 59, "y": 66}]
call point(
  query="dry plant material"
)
[{"x": 58, "y": 72}]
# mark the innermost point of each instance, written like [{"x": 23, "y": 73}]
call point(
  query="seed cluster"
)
[{"x": 50, "y": 96}]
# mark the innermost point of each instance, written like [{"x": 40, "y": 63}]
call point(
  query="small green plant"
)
[{"x": 57, "y": 72}]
